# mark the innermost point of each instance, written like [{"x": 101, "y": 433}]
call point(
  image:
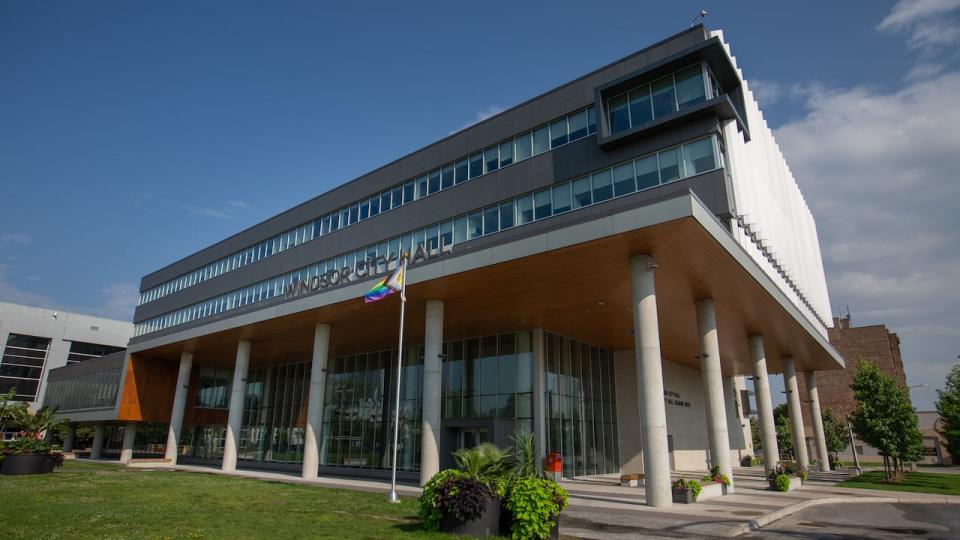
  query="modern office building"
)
[
  {"x": 602, "y": 265},
  {"x": 37, "y": 340}
]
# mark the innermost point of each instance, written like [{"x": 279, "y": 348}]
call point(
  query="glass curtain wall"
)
[
  {"x": 275, "y": 414},
  {"x": 581, "y": 406}
]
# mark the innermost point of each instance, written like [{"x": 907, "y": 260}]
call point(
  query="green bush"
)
[
  {"x": 486, "y": 463},
  {"x": 535, "y": 504},
  {"x": 429, "y": 510},
  {"x": 781, "y": 482},
  {"x": 692, "y": 485}
]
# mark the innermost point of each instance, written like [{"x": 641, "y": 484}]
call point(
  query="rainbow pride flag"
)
[{"x": 386, "y": 286}]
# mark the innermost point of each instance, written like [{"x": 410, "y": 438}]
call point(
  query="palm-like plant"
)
[
  {"x": 485, "y": 462},
  {"x": 524, "y": 464}
]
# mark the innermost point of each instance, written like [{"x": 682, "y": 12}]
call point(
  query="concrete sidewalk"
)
[{"x": 600, "y": 508}]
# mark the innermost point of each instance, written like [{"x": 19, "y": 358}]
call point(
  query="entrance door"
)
[{"x": 472, "y": 437}]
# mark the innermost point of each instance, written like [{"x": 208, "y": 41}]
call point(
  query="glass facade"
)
[
  {"x": 275, "y": 413},
  {"x": 581, "y": 406},
  {"x": 566, "y": 129},
  {"x": 22, "y": 365},
  {"x": 80, "y": 351},
  {"x": 213, "y": 389},
  {"x": 89, "y": 390},
  {"x": 668, "y": 165},
  {"x": 659, "y": 98}
]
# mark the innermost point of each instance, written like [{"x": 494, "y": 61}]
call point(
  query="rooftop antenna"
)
[{"x": 701, "y": 15}]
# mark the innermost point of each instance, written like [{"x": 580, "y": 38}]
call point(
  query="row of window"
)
[
  {"x": 22, "y": 365},
  {"x": 567, "y": 129},
  {"x": 89, "y": 390},
  {"x": 661, "y": 97},
  {"x": 662, "y": 167}
]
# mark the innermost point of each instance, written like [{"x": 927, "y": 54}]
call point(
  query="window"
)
[
  {"x": 506, "y": 153},
  {"x": 664, "y": 97},
  {"x": 525, "y": 209},
  {"x": 491, "y": 220},
  {"x": 397, "y": 196},
  {"x": 542, "y": 204},
  {"x": 476, "y": 165},
  {"x": 460, "y": 230},
  {"x": 506, "y": 215},
  {"x": 619, "y": 114},
  {"x": 558, "y": 133},
  {"x": 698, "y": 157},
  {"x": 578, "y": 125},
  {"x": 213, "y": 389},
  {"x": 80, "y": 351},
  {"x": 409, "y": 191},
  {"x": 581, "y": 192},
  {"x": 384, "y": 202},
  {"x": 623, "y": 181},
  {"x": 690, "y": 87},
  {"x": 602, "y": 189},
  {"x": 421, "y": 187},
  {"x": 447, "y": 177},
  {"x": 647, "y": 172},
  {"x": 524, "y": 149},
  {"x": 561, "y": 198},
  {"x": 475, "y": 225},
  {"x": 592, "y": 120},
  {"x": 354, "y": 217},
  {"x": 364, "y": 210},
  {"x": 433, "y": 184},
  {"x": 641, "y": 109},
  {"x": 22, "y": 365},
  {"x": 461, "y": 171},
  {"x": 446, "y": 234},
  {"x": 491, "y": 159},
  {"x": 541, "y": 140},
  {"x": 669, "y": 165}
]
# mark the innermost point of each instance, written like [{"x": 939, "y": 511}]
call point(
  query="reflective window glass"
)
[
  {"x": 664, "y": 97},
  {"x": 408, "y": 192},
  {"x": 397, "y": 196},
  {"x": 460, "y": 229},
  {"x": 524, "y": 150},
  {"x": 506, "y": 153},
  {"x": 461, "y": 169},
  {"x": 506, "y": 215},
  {"x": 541, "y": 140},
  {"x": 507, "y": 364},
  {"x": 558, "y": 133},
  {"x": 669, "y": 165},
  {"x": 602, "y": 190},
  {"x": 491, "y": 159},
  {"x": 542, "y": 204},
  {"x": 581, "y": 192},
  {"x": 690, "y": 87},
  {"x": 647, "y": 172},
  {"x": 491, "y": 220},
  {"x": 619, "y": 114},
  {"x": 578, "y": 125},
  {"x": 476, "y": 165},
  {"x": 433, "y": 237},
  {"x": 525, "y": 209},
  {"x": 698, "y": 157},
  {"x": 354, "y": 215},
  {"x": 384, "y": 201},
  {"x": 364, "y": 210},
  {"x": 446, "y": 233},
  {"x": 421, "y": 187},
  {"x": 561, "y": 198},
  {"x": 446, "y": 177},
  {"x": 592, "y": 120},
  {"x": 433, "y": 183},
  {"x": 474, "y": 225},
  {"x": 641, "y": 110},
  {"x": 623, "y": 181}
]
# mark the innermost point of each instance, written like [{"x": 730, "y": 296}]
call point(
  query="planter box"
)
[
  {"x": 487, "y": 524},
  {"x": 795, "y": 483},
  {"x": 683, "y": 496},
  {"x": 27, "y": 464},
  {"x": 710, "y": 491}
]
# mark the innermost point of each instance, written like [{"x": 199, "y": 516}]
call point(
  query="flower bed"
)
[
  {"x": 29, "y": 452},
  {"x": 786, "y": 476}
]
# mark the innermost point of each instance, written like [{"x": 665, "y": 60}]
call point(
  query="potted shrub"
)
[
  {"x": 786, "y": 476},
  {"x": 685, "y": 491},
  {"x": 716, "y": 477},
  {"x": 29, "y": 452},
  {"x": 466, "y": 501},
  {"x": 532, "y": 502}
]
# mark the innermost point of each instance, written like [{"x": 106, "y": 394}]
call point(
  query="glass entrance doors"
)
[{"x": 472, "y": 437}]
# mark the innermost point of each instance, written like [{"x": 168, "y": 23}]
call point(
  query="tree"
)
[
  {"x": 755, "y": 433},
  {"x": 884, "y": 418},
  {"x": 781, "y": 421},
  {"x": 835, "y": 432},
  {"x": 948, "y": 406}
]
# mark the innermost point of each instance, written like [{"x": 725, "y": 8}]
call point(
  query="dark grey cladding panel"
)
[
  {"x": 110, "y": 361},
  {"x": 564, "y": 163},
  {"x": 530, "y": 114},
  {"x": 709, "y": 187}
]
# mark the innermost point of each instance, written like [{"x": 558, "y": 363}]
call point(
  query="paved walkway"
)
[{"x": 600, "y": 508}]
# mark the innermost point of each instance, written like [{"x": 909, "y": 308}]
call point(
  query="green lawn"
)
[
  {"x": 93, "y": 500},
  {"x": 939, "y": 484}
]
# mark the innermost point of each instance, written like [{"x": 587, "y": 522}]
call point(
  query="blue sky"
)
[{"x": 133, "y": 134}]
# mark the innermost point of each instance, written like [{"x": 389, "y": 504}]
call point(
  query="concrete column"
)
[
  {"x": 179, "y": 404},
  {"x": 129, "y": 439},
  {"x": 823, "y": 458},
  {"x": 796, "y": 413},
  {"x": 653, "y": 417},
  {"x": 318, "y": 381},
  {"x": 713, "y": 387},
  {"x": 69, "y": 437},
  {"x": 539, "y": 396},
  {"x": 761, "y": 387},
  {"x": 238, "y": 395},
  {"x": 96, "y": 450},
  {"x": 432, "y": 384}
]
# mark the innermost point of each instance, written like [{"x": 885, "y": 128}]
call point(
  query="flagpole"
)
[{"x": 393, "y": 497}]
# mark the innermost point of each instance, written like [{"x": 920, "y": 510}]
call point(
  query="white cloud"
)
[
  {"x": 230, "y": 210},
  {"x": 480, "y": 116},
  {"x": 931, "y": 25},
  {"x": 879, "y": 171},
  {"x": 766, "y": 92},
  {"x": 10, "y": 239},
  {"x": 13, "y": 294},
  {"x": 907, "y": 12},
  {"x": 119, "y": 301}
]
